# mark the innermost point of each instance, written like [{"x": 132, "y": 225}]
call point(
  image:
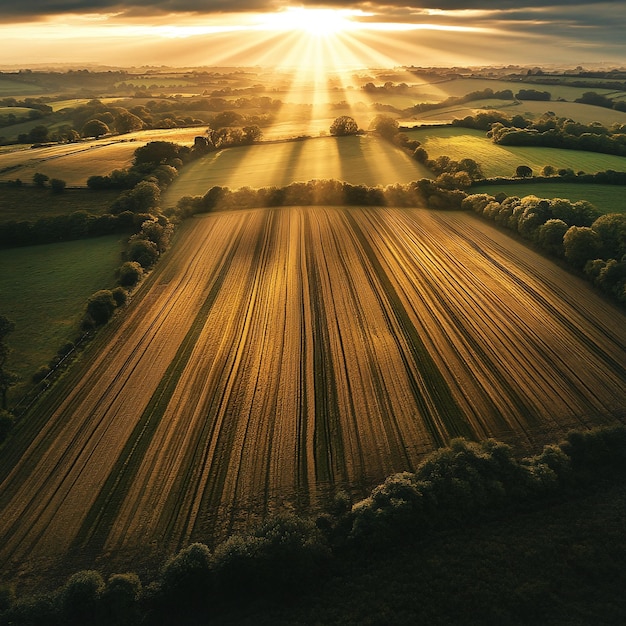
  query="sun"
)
[{"x": 322, "y": 23}]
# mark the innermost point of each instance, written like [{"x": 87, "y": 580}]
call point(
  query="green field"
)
[
  {"x": 463, "y": 86},
  {"x": 496, "y": 160},
  {"x": 44, "y": 290},
  {"x": 10, "y": 87},
  {"x": 357, "y": 160},
  {"x": 30, "y": 203},
  {"x": 584, "y": 113},
  {"x": 606, "y": 198}
]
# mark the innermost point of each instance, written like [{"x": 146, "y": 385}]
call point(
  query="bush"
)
[
  {"x": 129, "y": 274},
  {"x": 57, "y": 185},
  {"x": 100, "y": 306},
  {"x": 143, "y": 252},
  {"x": 120, "y": 600},
  {"x": 120, "y": 296},
  {"x": 187, "y": 582},
  {"x": 80, "y": 598}
]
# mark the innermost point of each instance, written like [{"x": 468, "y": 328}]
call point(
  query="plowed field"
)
[{"x": 277, "y": 354}]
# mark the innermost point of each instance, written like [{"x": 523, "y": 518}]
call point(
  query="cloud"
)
[{"x": 40, "y": 8}]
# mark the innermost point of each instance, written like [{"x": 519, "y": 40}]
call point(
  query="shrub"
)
[
  {"x": 80, "y": 598},
  {"x": 57, "y": 185},
  {"x": 120, "y": 600},
  {"x": 100, "y": 306},
  {"x": 120, "y": 296},
  {"x": 143, "y": 252},
  {"x": 129, "y": 274}
]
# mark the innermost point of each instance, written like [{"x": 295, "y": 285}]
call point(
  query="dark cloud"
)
[{"x": 40, "y": 8}]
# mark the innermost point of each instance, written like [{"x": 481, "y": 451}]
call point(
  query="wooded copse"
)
[{"x": 548, "y": 131}]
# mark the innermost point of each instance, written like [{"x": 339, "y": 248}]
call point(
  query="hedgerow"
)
[{"x": 465, "y": 481}]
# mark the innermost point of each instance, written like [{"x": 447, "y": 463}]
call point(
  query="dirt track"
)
[{"x": 277, "y": 354}]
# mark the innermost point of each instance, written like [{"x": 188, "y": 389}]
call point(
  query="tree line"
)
[
  {"x": 592, "y": 243},
  {"x": 548, "y": 131}
]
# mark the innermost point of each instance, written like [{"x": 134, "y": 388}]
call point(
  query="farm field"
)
[
  {"x": 606, "y": 198},
  {"x": 274, "y": 356},
  {"x": 584, "y": 113},
  {"x": 497, "y": 160},
  {"x": 76, "y": 162},
  {"x": 30, "y": 203},
  {"x": 356, "y": 160},
  {"x": 49, "y": 286}
]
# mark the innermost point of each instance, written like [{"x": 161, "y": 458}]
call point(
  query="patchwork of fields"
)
[{"x": 276, "y": 355}]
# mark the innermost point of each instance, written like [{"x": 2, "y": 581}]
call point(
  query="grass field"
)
[
  {"x": 496, "y": 160},
  {"x": 357, "y": 160},
  {"x": 29, "y": 203},
  {"x": 583, "y": 113},
  {"x": 274, "y": 356},
  {"x": 607, "y": 198},
  {"x": 44, "y": 290},
  {"x": 9, "y": 87}
]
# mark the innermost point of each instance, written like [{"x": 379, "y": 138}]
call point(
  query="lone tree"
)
[
  {"x": 523, "y": 171},
  {"x": 344, "y": 125},
  {"x": 7, "y": 379}
]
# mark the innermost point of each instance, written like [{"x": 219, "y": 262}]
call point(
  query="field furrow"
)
[{"x": 278, "y": 355}]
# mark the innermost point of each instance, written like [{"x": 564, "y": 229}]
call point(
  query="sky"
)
[{"x": 334, "y": 33}]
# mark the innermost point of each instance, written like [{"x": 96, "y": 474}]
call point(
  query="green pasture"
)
[
  {"x": 28, "y": 203},
  {"x": 357, "y": 160},
  {"x": 17, "y": 111},
  {"x": 496, "y": 160},
  {"x": 10, "y": 87},
  {"x": 463, "y": 86},
  {"x": 44, "y": 290},
  {"x": 584, "y": 113},
  {"x": 606, "y": 198}
]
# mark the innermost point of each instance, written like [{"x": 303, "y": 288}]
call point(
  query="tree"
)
[
  {"x": 157, "y": 152},
  {"x": 38, "y": 134},
  {"x": 126, "y": 122},
  {"x": 100, "y": 306},
  {"x": 343, "y": 126},
  {"x": 129, "y": 274},
  {"x": 80, "y": 597},
  {"x": 143, "y": 252},
  {"x": 57, "y": 185},
  {"x": 612, "y": 230},
  {"x": 40, "y": 179},
  {"x": 252, "y": 134},
  {"x": 550, "y": 235},
  {"x": 385, "y": 126},
  {"x": 7, "y": 378},
  {"x": 95, "y": 128},
  {"x": 581, "y": 244},
  {"x": 523, "y": 171}
]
